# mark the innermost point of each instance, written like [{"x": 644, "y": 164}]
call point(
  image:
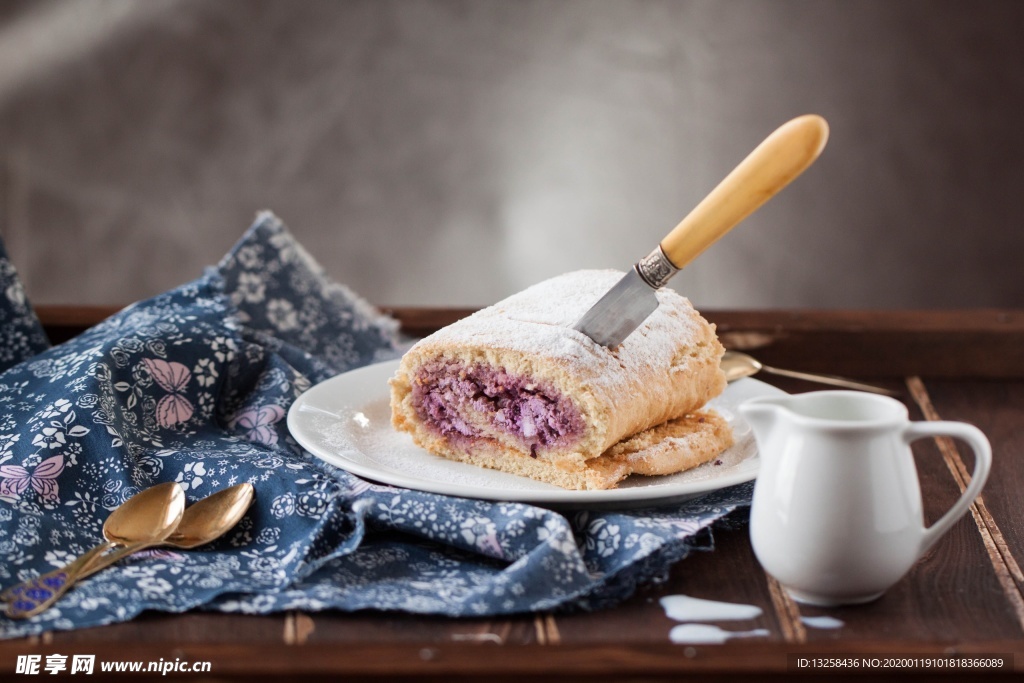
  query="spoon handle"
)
[
  {"x": 828, "y": 379},
  {"x": 102, "y": 562},
  {"x": 31, "y": 597}
]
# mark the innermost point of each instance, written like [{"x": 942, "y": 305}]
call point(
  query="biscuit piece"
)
[{"x": 676, "y": 445}]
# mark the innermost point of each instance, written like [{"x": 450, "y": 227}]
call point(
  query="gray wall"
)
[{"x": 434, "y": 152}]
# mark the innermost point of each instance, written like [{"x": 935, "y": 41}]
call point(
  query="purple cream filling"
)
[{"x": 535, "y": 412}]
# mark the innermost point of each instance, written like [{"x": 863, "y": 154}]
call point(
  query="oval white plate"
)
[{"x": 346, "y": 421}]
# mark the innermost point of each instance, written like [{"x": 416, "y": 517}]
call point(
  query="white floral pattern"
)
[
  {"x": 193, "y": 386},
  {"x": 21, "y": 335}
]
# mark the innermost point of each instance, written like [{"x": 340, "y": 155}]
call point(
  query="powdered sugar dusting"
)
[{"x": 539, "y": 321}]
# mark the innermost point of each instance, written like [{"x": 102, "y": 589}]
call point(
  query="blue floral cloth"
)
[
  {"x": 193, "y": 386},
  {"x": 21, "y": 335}
]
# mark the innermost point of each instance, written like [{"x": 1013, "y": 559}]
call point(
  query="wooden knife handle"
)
[{"x": 770, "y": 167}]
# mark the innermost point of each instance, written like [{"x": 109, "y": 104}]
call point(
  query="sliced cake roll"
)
[{"x": 513, "y": 387}]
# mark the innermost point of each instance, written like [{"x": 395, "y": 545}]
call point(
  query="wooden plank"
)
[
  {"x": 298, "y": 626},
  {"x": 864, "y": 344},
  {"x": 419, "y": 322},
  {"x": 605, "y": 662},
  {"x": 181, "y": 629},
  {"x": 788, "y": 612},
  {"x": 729, "y": 573},
  {"x": 774, "y": 322},
  {"x": 851, "y": 321},
  {"x": 998, "y": 410},
  {"x": 64, "y": 321},
  {"x": 389, "y": 627}
]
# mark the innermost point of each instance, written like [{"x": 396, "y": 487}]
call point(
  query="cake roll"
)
[{"x": 515, "y": 388}]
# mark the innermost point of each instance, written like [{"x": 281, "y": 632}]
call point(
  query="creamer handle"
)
[{"x": 974, "y": 438}]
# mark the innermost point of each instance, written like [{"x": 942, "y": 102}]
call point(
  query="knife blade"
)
[{"x": 773, "y": 164}]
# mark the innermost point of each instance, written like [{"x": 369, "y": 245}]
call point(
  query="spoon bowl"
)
[
  {"x": 150, "y": 519},
  {"x": 204, "y": 521},
  {"x": 738, "y": 365},
  {"x": 210, "y": 518}
]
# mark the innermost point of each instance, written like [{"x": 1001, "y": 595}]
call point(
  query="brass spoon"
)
[
  {"x": 738, "y": 365},
  {"x": 144, "y": 520},
  {"x": 204, "y": 521}
]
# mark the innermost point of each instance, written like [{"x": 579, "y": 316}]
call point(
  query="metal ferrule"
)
[{"x": 656, "y": 269}]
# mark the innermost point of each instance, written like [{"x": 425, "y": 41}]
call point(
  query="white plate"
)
[{"x": 346, "y": 421}]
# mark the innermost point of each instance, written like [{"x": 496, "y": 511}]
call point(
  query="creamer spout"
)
[{"x": 763, "y": 413}]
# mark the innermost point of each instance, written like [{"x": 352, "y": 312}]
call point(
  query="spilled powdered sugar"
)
[
  {"x": 822, "y": 622},
  {"x": 706, "y": 634},
  {"x": 686, "y": 608},
  {"x": 689, "y": 609}
]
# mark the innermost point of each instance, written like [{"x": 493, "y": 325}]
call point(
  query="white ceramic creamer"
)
[{"x": 837, "y": 514}]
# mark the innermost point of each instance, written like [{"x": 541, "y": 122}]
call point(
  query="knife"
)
[{"x": 770, "y": 167}]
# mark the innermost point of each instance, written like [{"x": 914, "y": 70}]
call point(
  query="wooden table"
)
[{"x": 966, "y": 596}]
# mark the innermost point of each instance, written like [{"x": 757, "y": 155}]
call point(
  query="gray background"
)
[{"x": 434, "y": 152}]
